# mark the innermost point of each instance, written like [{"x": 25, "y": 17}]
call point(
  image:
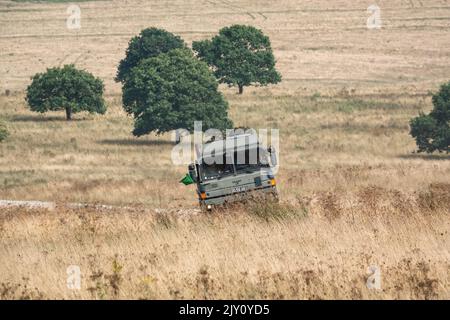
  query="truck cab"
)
[{"x": 234, "y": 169}]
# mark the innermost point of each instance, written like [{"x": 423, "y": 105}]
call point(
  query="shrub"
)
[{"x": 3, "y": 132}]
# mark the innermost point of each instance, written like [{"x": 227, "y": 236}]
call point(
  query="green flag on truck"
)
[{"x": 187, "y": 180}]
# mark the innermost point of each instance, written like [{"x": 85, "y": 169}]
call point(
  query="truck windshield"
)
[
  {"x": 213, "y": 170},
  {"x": 245, "y": 161},
  {"x": 250, "y": 160}
]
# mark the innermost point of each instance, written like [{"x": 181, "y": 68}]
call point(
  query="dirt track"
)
[{"x": 54, "y": 205}]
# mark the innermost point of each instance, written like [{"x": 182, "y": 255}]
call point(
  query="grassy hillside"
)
[{"x": 326, "y": 143}]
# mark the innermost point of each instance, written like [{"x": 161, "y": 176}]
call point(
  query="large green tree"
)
[
  {"x": 149, "y": 43},
  {"x": 171, "y": 91},
  {"x": 432, "y": 131},
  {"x": 240, "y": 56},
  {"x": 68, "y": 89}
]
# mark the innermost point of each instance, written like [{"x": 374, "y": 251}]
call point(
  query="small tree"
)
[
  {"x": 66, "y": 89},
  {"x": 432, "y": 131},
  {"x": 240, "y": 56},
  {"x": 149, "y": 43},
  {"x": 3, "y": 131},
  {"x": 171, "y": 91}
]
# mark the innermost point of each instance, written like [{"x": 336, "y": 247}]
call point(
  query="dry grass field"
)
[{"x": 353, "y": 193}]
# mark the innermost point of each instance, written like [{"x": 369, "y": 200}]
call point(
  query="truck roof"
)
[{"x": 232, "y": 143}]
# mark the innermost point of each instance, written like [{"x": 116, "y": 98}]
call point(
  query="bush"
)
[
  {"x": 3, "y": 132},
  {"x": 240, "y": 56},
  {"x": 171, "y": 91},
  {"x": 66, "y": 89},
  {"x": 432, "y": 131}
]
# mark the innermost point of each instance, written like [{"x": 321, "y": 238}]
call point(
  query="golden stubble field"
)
[{"x": 353, "y": 193}]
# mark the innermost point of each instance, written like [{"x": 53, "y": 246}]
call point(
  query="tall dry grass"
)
[{"x": 319, "y": 250}]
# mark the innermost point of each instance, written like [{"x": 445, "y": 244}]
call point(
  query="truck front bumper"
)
[{"x": 241, "y": 196}]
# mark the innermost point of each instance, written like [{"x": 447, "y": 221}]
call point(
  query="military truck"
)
[{"x": 234, "y": 169}]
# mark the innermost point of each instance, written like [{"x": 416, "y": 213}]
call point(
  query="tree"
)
[
  {"x": 240, "y": 56},
  {"x": 66, "y": 89},
  {"x": 432, "y": 131},
  {"x": 3, "y": 132},
  {"x": 171, "y": 91},
  {"x": 149, "y": 43}
]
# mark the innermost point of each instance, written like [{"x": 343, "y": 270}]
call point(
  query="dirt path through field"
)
[{"x": 53, "y": 205}]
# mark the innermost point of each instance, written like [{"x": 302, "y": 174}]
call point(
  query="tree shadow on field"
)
[
  {"x": 135, "y": 142},
  {"x": 42, "y": 118},
  {"x": 442, "y": 156}
]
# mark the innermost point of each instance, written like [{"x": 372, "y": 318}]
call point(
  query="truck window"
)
[
  {"x": 250, "y": 160},
  {"x": 215, "y": 170}
]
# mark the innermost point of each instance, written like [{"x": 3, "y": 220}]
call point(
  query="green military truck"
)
[{"x": 234, "y": 169}]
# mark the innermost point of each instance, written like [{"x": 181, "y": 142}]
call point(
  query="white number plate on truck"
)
[{"x": 239, "y": 189}]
